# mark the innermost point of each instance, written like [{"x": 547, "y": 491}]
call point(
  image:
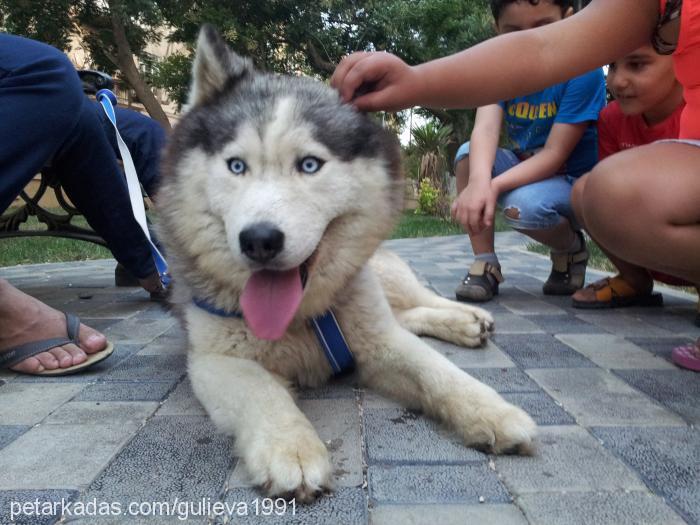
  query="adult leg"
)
[
  {"x": 651, "y": 216},
  {"x": 653, "y": 222},
  {"x": 44, "y": 115},
  {"x": 632, "y": 285},
  {"x": 29, "y": 135}
]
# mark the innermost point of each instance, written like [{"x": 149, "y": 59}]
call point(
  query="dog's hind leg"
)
[
  {"x": 422, "y": 311},
  {"x": 280, "y": 447}
]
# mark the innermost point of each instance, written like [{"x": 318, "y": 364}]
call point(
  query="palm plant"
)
[{"x": 431, "y": 142}]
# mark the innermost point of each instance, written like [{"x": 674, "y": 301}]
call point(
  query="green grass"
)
[
  {"x": 596, "y": 259},
  {"x": 33, "y": 250},
  {"x": 412, "y": 225}
]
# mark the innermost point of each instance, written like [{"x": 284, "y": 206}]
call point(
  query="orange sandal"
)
[{"x": 615, "y": 292}]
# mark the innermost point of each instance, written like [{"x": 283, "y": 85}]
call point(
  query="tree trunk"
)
[{"x": 127, "y": 66}]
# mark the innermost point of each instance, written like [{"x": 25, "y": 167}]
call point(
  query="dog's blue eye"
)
[
  {"x": 237, "y": 166},
  {"x": 309, "y": 165}
]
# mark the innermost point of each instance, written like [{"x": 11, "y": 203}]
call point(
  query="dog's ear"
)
[{"x": 215, "y": 66}]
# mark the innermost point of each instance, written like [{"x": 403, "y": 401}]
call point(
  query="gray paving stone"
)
[
  {"x": 138, "y": 330},
  {"x": 400, "y": 435},
  {"x": 567, "y": 459},
  {"x": 346, "y": 506},
  {"x": 529, "y": 305},
  {"x": 610, "y": 351},
  {"x": 488, "y": 356},
  {"x": 148, "y": 368},
  {"x": 8, "y": 433},
  {"x": 563, "y": 324},
  {"x": 542, "y": 408},
  {"x": 661, "y": 346},
  {"x": 598, "y": 508},
  {"x": 337, "y": 422},
  {"x": 173, "y": 341},
  {"x": 676, "y": 389},
  {"x": 668, "y": 459},
  {"x": 597, "y": 397},
  {"x": 182, "y": 402},
  {"x": 446, "y": 515},
  {"x": 424, "y": 484},
  {"x": 623, "y": 324},
  {"x": 126, "y": 391},
  {"x": 33, "y": 507},
  {"x": 27, "y": 404},
  {"x": 675, "y": 320},
  {"x": 171, "y": 457},
  {"x": 509, "y": 323},
  {"x": 63, "y": 456},
  {"x": 96, "y": 412},
  {"x": 539, "y": 351},
  {"x": 505, "y": 379},
  {"x": 343, "y": 387},
  {"x": 374, "y": 400}
]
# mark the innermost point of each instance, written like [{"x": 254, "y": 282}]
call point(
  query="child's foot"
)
[
  {"x": 24, "y": 319},
  {"x": 480, "y": 284},
  {"x": 568, "y": 271},
  {"x": 687, "y": 356}
]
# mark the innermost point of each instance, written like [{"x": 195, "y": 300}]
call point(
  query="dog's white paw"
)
[
  {"x": 480, "y": 316},
  {"x": 295, "y": 465},
  {"x": 488, "y": 423}
]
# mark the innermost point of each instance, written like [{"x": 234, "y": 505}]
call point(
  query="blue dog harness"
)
[{"x": 325, "y": 326}]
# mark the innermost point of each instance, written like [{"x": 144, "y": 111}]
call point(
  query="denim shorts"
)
[{"x": 541, "y": 204}]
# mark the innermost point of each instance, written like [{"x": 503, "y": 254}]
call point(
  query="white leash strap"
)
[{"x": 132, "y": 181}]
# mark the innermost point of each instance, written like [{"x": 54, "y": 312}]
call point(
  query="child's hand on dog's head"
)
[{"x": 377, "y": 81}]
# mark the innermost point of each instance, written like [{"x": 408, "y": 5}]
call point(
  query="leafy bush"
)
[{"x": 428, "y": 198}]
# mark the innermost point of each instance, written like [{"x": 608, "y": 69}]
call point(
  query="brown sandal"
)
[{"x": 615, "y": 292}]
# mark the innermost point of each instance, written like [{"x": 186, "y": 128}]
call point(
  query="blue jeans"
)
[
  {"x": 541, "y": 204},
  {"x": 44, "y": 116}
]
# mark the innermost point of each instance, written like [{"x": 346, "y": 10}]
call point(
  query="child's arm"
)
[
  {"x": 474, "y": 206},
  {"x": 503, "y": 67},
  {"x": 561, "y": 141}
]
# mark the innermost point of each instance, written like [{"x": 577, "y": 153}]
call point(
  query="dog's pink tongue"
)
[{"x": 270, "y": 300}]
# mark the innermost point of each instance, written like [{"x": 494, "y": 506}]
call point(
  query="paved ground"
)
[{"x": 618, "y": 423}]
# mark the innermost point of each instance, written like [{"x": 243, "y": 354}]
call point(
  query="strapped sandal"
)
[
  {"x": 687, "y": 356},
  {"x": 568, "y": 271},
  {"x": 480, "y": 284},
  {"x": 18, "y": 354},
  {"x": 615, "y": 292}
]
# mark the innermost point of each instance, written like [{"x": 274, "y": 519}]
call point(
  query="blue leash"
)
[
  {"x": 107, "y": 99},
  {"x": 325, "y": 326}
]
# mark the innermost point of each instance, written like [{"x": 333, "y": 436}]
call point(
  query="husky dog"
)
[{"x": 274, "y": 201}]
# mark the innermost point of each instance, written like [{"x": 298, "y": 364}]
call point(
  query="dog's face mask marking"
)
[{"x": 279, "y": 161}]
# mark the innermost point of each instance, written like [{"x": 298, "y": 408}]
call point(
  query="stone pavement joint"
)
[{"x": 618, "y": 442}]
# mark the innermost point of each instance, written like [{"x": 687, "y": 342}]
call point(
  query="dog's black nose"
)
[{"x": 261, "y": 242}]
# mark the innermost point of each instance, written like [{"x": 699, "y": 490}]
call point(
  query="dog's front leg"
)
[
  {"x": 406, "y": 368},
  {"x": 280, "y": 447}
]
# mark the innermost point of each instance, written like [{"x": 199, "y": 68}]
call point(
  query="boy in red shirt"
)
[{"x": 647, "y": 107}]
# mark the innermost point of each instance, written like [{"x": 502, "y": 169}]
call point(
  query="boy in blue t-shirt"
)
[{"x": 552, "y": 141}]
